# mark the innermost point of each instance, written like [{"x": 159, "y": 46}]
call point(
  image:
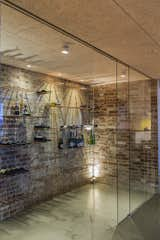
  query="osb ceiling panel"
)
[
  {"x": 127, "y": 29},
  {"x": 25, "y": 41}
]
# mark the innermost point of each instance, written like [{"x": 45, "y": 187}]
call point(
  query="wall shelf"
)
[
  {"x": 41, "y": 140},
  {"x": 13, "y": 144},
  {"x": 12, "y": 172},
  {"x": 40, "y": 127}
]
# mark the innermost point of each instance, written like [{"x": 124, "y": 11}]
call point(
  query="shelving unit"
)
[{"x": 48, "y": 110}]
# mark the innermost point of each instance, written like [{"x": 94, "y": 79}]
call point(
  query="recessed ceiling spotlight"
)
[
  {"x": 29, "y": 66},
  {"x": 123, "y": 75},
  {"x": 65, "y": 49}
]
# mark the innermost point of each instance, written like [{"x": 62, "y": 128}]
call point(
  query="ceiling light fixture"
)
[
  {"x": 65, "y": 49},
  {"x": 29, "y": 66},
  {"x": 123, "y": 75}
]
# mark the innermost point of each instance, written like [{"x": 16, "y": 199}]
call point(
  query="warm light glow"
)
[
  {"x": 123, "y": 75},
  {"x": 94, "y": 171},
  {"x": 88, "y": 127},
  {"x": 29, "y": 66},
  {"x": 145, "y": 124},
  {"x": 65, "y": 51}
]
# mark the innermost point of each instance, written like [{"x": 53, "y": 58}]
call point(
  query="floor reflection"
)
[
  {"x": 143, "y": 224},
  {"x": 88, "y": 213}
]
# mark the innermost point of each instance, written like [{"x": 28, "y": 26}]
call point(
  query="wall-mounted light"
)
[
  {"x": 29, "y": 66},
  {"x": 65, "y": 49}
]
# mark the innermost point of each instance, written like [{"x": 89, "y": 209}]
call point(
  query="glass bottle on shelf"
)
[
  {"x": 25, "y": 110},
  {"x": 12, "y": 110},
  {"x": 92, "y": 137},
  {"x": 21, "y": 106},
  {"x": 17, "y": 110},
  {"x": 61, "y": 140}
]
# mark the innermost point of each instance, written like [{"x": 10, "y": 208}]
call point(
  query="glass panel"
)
[
  {"x": 140, "y": 90},
  {"x": 105, "y": 147},
  {"x": 122, "y": 141},
  {"x": 61, "y": 132},
  {"x": 71, "y": 118}
]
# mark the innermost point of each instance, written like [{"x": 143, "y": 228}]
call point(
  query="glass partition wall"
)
[
  {"x": 72, "y": 118},
  {"x": 137, "y": 160}
]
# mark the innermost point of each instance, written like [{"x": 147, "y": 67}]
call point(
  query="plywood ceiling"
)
[
  {"x": 127, "y": 29},
  {"x": 25, "y": 41}
]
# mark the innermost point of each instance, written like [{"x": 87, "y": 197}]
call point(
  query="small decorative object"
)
[{"x": 25, "y": 111}]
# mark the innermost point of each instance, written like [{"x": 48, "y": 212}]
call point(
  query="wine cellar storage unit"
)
[{"x": 42, "y": 128}]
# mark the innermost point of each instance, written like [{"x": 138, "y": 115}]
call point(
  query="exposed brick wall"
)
[
  {"x": 105, "y": 117},
  {"x": 117, "y": 154},
  {"x": 50, "y": 171},
  {"x": 122, "y": 112}
]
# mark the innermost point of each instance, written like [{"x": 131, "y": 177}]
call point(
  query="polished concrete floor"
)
[
  {"x": 86, "y": 213},
  {"x": 143, "y": 224}
]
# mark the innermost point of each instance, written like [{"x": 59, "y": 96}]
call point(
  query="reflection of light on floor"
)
[
  {"x": 94, "y": 170},
  {"x": 142, "y": 224},
  {"x": 88, "y": 212}
]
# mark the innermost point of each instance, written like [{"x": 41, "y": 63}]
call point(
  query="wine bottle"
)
[
  {"x": 25, "y": 110},
  {"x": 16, "y": 109}
]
